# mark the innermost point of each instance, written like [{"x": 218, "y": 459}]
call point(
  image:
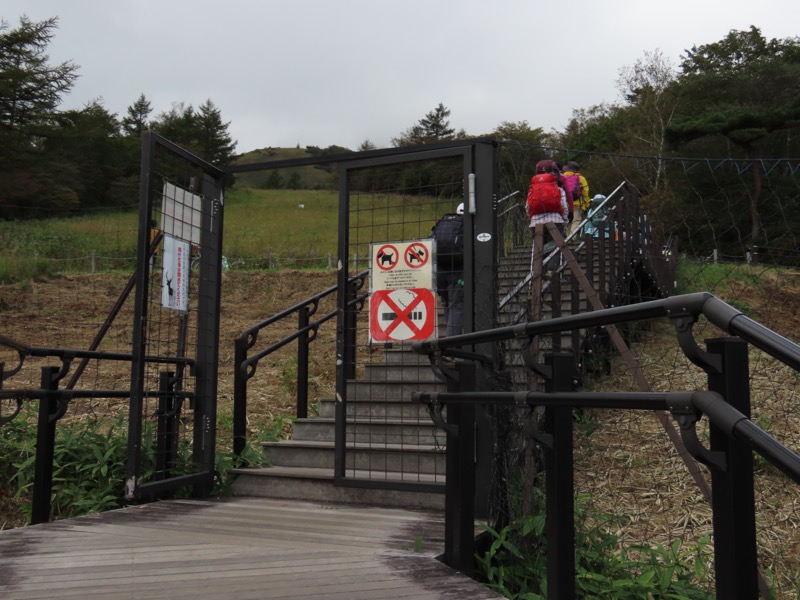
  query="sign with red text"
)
[
  {"x": 175, "y": 274},
  {"x": 402, "y": 303}
]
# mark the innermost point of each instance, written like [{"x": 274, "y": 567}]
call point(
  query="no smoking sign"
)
[{"x": 403, "y": 314}]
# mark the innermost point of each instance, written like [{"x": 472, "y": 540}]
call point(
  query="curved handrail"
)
[
  {"x": 245, "y": 366},
  {"x": 686, "y": 306},
  {"x": 250, "y": 335}
]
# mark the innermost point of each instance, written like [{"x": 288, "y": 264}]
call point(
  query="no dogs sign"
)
[{"x": 402, "y": 304}]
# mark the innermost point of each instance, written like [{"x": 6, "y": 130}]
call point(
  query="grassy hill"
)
[{"x": 312, "y": 177}]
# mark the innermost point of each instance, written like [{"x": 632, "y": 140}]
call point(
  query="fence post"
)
[
  {"x": 350, "y": 336},
  {"x": 733, "y": 503},
  {"x": 45, "y": 447},
  {"x": 459, "y": 503},
  {"x": 239, "y": 397},
  {"x": 560, "y": 511},
  {"x": 302, "y": 364},
  {"x": 166, "y": 426}
]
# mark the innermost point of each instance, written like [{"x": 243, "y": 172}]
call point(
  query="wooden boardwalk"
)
[{"x": 234, "y": 548}]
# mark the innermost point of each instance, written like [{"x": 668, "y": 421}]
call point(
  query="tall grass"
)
[{"x": 263, "y": 229}]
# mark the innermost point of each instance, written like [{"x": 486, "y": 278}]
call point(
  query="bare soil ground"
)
[
  {"x": 626, "y": 463},
  {"x": 67, "y": 311}
]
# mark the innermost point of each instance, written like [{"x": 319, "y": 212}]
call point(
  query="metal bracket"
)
[
  {"x": 710, "y": 363},
  {"x": 435, "y": 412},
  {"x": 442, "y": 370},
  {"x": 687, "y": 416},
  {"x": 526, "y": 412},
  {"x": 539, "y": 368},
  {"x": 9, "y": 418}
]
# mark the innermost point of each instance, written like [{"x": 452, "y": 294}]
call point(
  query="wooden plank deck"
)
[{"x": 234, "y": 549}]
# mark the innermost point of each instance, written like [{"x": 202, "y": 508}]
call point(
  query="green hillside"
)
[{"x": 312, "y": 177}]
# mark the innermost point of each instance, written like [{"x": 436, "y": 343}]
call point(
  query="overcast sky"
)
[{"x": 324, "y": 72}]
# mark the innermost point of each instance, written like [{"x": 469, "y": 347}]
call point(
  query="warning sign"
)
[
  {"x": 387, "y": 257},
  {"x": 400, "y": 315},
  {"x": 402, "y": 303},
  {"x": 416, "y": 255},
  {"x": 402, "y": 265}
]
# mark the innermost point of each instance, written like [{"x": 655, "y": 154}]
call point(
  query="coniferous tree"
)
[
  {"x": 215, "y": 143},
  {"x": 137, "y": 119},
  {"x": 30, "y": 93},
  {"x": 433, "y": 127},
  {"x": 742, "y": 90}
]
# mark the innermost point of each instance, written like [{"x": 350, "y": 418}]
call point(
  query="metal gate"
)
[
  {"x": 382, "y": 440},
  {"x": 172, "y": 424}
]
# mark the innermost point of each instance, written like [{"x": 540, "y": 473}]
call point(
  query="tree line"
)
[
  {"x": 736, "y": 98},
  {"x": 57, "y": 162}
]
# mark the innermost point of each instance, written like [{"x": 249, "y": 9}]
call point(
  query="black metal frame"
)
[
  {"x": 726, "y": 404},
  {"x": 204, "y": 363},
  {"x": 479, "y": 159}
]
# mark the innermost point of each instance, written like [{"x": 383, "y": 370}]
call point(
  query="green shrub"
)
[
  {"x": 515, "y": 564},
  {"x": 89, "y": 463}
]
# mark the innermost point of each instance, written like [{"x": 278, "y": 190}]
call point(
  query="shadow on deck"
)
[{"x": 234, "y": 548}]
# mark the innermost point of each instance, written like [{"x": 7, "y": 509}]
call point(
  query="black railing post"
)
[
  {"x": 166, "y": 426},
  {"x": 302, "y": 364},
  {"x": 733, "y": 503},
  {"x": 560, "y": 504},
  {"x": 459, "y": 511},
  {"x": 239, "y": 397},
  {"x": 350, "y": 330},
  {"x": 45, "y": 447}
]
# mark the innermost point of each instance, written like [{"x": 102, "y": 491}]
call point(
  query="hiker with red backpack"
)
[{"x": 547, "y": 199}]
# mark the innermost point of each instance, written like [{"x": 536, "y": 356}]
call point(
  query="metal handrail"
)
[
  {"x": 733, "y": 436},
  {"x": 245, "y": 365},
  {"x": 686, "y": 306},
  {"x": 555, "y": 252}
]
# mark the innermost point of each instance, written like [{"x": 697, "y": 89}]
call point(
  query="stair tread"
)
[
  {"x": 368, "y": 421},
  {"x": 328, "y": 474},
  {"x": 350, "y": 445}
]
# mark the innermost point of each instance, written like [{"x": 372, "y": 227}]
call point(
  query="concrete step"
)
[
  {"x": 413, "y": 371},
  {"x": 378, "y": 391},
  {"x": 365, "y": 408},
  {"x": 317, "y": 485},
  {"x": 393, "y": 431},
  {"x": 411, "y": 458}
]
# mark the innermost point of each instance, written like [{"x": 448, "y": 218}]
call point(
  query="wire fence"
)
[
  {"x": 629, "y": 475},
  {"x": 630, "y": 480}
]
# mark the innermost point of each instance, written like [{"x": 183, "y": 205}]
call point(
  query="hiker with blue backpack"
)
[{"x": 448, "y": 232}]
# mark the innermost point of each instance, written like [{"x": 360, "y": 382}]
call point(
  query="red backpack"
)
[{"x": 544, "y": 195}]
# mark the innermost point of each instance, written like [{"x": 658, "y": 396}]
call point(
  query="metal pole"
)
[
  {"x": 560, "y": 515},
  {"x": 45, "y": 447},
  {"x": 302, "y": 364},
  {"x": 732, "y": 500},
  {"x": 239, "y": 397},
  {"x": 459, "y": 536}
]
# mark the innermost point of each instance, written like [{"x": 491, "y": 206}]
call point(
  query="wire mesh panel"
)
[
  {"x": 176, "y": 322},
  {"x": 389, "y": 209}
]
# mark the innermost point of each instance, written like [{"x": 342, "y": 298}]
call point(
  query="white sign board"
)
[
  {"x": 175, "y": 274},
  {"x": 181, "y": 213},
  {"x": 402, "y": 303}
]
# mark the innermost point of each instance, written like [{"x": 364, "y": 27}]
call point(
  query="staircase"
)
[{"x": 388, "y": 439}]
